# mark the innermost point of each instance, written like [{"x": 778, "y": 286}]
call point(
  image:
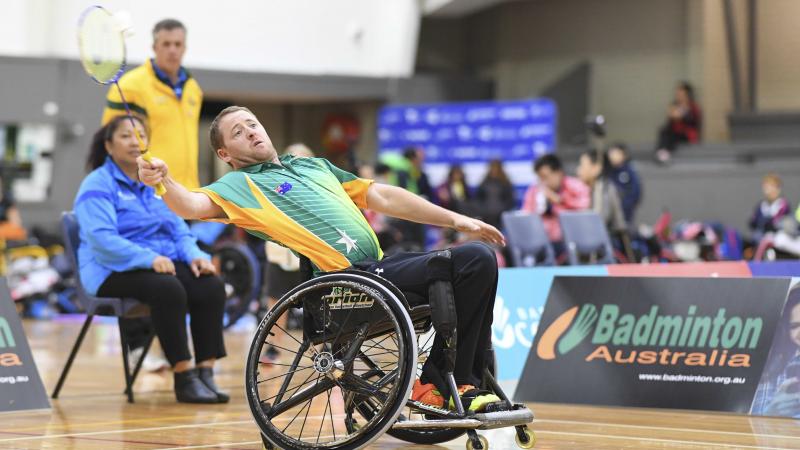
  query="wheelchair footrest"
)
[
  {"x": 520, "y": 415},
  {"x": 497, "y": 407},
  {"x": 441, "y": 423}
]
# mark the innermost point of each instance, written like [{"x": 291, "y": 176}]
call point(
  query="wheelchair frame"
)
[{"x": 358, "y": 289}]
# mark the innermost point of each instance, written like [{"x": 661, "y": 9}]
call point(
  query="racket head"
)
[{"x": 101, "y": 43}]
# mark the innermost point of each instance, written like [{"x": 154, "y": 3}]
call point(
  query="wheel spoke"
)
[
  {"x": 284, "y": 374},
  {"x": 307, "y": 405},
  {"x": 368, "y": 352},
  {"x": 322, "y": 421}
]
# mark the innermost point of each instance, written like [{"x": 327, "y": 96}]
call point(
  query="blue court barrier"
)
[{"x": 775, "y": 269}]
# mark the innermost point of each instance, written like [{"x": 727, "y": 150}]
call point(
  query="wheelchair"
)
[{"x": 346, "y": 377}]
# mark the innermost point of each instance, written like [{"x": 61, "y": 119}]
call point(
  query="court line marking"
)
[
  {"x": 590, "y": 435},
  {"x": 132, "y": 430},
  {"x": 241, "y": 422},
  {"x": 123, "y": 422},
  {"x": 669, "y": 441},
  {"x": 231, "y": 444},
  {"x": 645, "y": 427}
]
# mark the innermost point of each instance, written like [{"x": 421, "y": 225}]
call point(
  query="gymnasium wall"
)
[
  {"x": 348, "y": 37},
  {"x": 778, "y": 46},
  {"x": 636, "y": 52}
]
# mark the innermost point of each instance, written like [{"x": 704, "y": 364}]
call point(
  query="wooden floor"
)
[{"x": 92, "y": 412}]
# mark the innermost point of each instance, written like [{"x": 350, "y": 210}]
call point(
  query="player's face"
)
[
  {"x": 246, "y": 141},
  {"x": 123, "y": 147},
  {"x": 794, "y": 325},
  {"x": 551, "y": 178},
  {"x": 587, "y": 170},
  {"x": 169, "y": 47},
  {"x": 682, "y": 96},
  {"x": 771, "y": 191},
  {"x": 616, "y": 156}
]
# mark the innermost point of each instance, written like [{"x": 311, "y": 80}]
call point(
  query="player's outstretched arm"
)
[
  {"x": 396, "y": 202},
  {"x": 184, "y": 203}
]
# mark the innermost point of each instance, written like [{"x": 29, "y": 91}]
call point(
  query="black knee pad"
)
[{"x": 440, "y": 294}]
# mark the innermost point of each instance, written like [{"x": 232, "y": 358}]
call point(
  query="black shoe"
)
[
  {"x": 206, "y": 375},
  {"x": 190, "y": 389}
]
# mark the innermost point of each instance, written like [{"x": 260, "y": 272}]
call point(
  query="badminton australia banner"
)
[
  {"x": 20, "y": 385},
  {"x": 688, "y": 343}
]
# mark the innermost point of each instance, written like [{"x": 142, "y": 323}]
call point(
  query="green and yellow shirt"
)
[{"x": 305, "y": 204}]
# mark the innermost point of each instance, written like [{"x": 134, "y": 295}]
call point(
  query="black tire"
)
[
  {"x": 385, "y": 318},
  {"x": 241, "y": 273}
]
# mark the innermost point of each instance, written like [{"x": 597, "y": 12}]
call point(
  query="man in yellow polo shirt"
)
[
  {"x": 168, "y": 99},
  {"x": 163, "y": 93}
]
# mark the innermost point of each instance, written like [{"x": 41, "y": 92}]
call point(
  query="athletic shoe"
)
[
  {"x": 427, "y": 394},
  {"x": 474, "y": 400}
]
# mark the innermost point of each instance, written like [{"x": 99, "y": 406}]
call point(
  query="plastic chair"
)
[
  {"x": 527, "y": 240},
  {"x": 586, "y": 234},
  {"x": 122, "y": 308}
]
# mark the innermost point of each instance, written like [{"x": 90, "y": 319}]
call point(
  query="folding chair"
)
[
  {"x": 586, "y": 234},
  {"x": 122, "y": 308},
  {"x": 527, "y": 240}
]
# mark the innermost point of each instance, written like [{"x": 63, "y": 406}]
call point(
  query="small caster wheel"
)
[
  {"x": 525, "y": 438},
  {"x": 483, "y": 442}
]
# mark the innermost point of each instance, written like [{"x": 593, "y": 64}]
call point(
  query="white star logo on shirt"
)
[{"x": 349, "y": 243}]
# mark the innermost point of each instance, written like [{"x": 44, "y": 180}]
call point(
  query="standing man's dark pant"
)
[{"x": 474, "y": 288}]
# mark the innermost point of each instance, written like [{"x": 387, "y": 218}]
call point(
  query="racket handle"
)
[{"x": 160, "y": 189}]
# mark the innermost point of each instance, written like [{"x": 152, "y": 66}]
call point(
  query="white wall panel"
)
[{"x": 344, "y": 37}]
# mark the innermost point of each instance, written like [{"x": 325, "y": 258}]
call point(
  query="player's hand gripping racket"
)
[{"x": 101, "y": 41}]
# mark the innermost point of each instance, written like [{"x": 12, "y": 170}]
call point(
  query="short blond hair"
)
[
  {"x": 214, "y": 135},
  {"x": 773, "y": 178}
]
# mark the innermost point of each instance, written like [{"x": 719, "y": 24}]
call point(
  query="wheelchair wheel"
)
[
  {"x": 352, "y": 363},
  {"x": 427, "y": 436},
  {"x": 240, "y": 271}
]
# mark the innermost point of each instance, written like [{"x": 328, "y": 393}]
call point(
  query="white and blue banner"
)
[
  {"x": 472, "y": 134},
  {"x": 521, "y": 296}
]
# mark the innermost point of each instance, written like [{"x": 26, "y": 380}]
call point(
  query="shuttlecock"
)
[{"x": 125, "y": 23}]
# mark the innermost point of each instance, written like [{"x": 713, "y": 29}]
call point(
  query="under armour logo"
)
[{"x": 379, "y": 271}]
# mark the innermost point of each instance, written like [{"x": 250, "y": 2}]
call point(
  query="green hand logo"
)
[{"x": 579, "y": 329}]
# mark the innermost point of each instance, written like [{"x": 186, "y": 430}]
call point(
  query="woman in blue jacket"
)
[{"x": 132, "y": 245}]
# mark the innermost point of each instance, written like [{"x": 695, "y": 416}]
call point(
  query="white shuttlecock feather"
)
[{"x": 125, "y": 23}]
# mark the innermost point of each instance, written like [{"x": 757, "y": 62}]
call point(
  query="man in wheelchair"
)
[{"x": 312, "y": 207}]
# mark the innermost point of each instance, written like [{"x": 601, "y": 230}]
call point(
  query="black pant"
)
[
  {"x": 474, "y": 288},
  {"x": 668, "y": 139},
  {"x": 170, "y": 298}
]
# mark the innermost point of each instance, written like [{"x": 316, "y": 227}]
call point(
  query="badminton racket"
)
[{"x": 101, "y": 41}]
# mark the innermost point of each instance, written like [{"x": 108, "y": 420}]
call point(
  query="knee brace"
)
[{"x": 443, "y": 305}]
